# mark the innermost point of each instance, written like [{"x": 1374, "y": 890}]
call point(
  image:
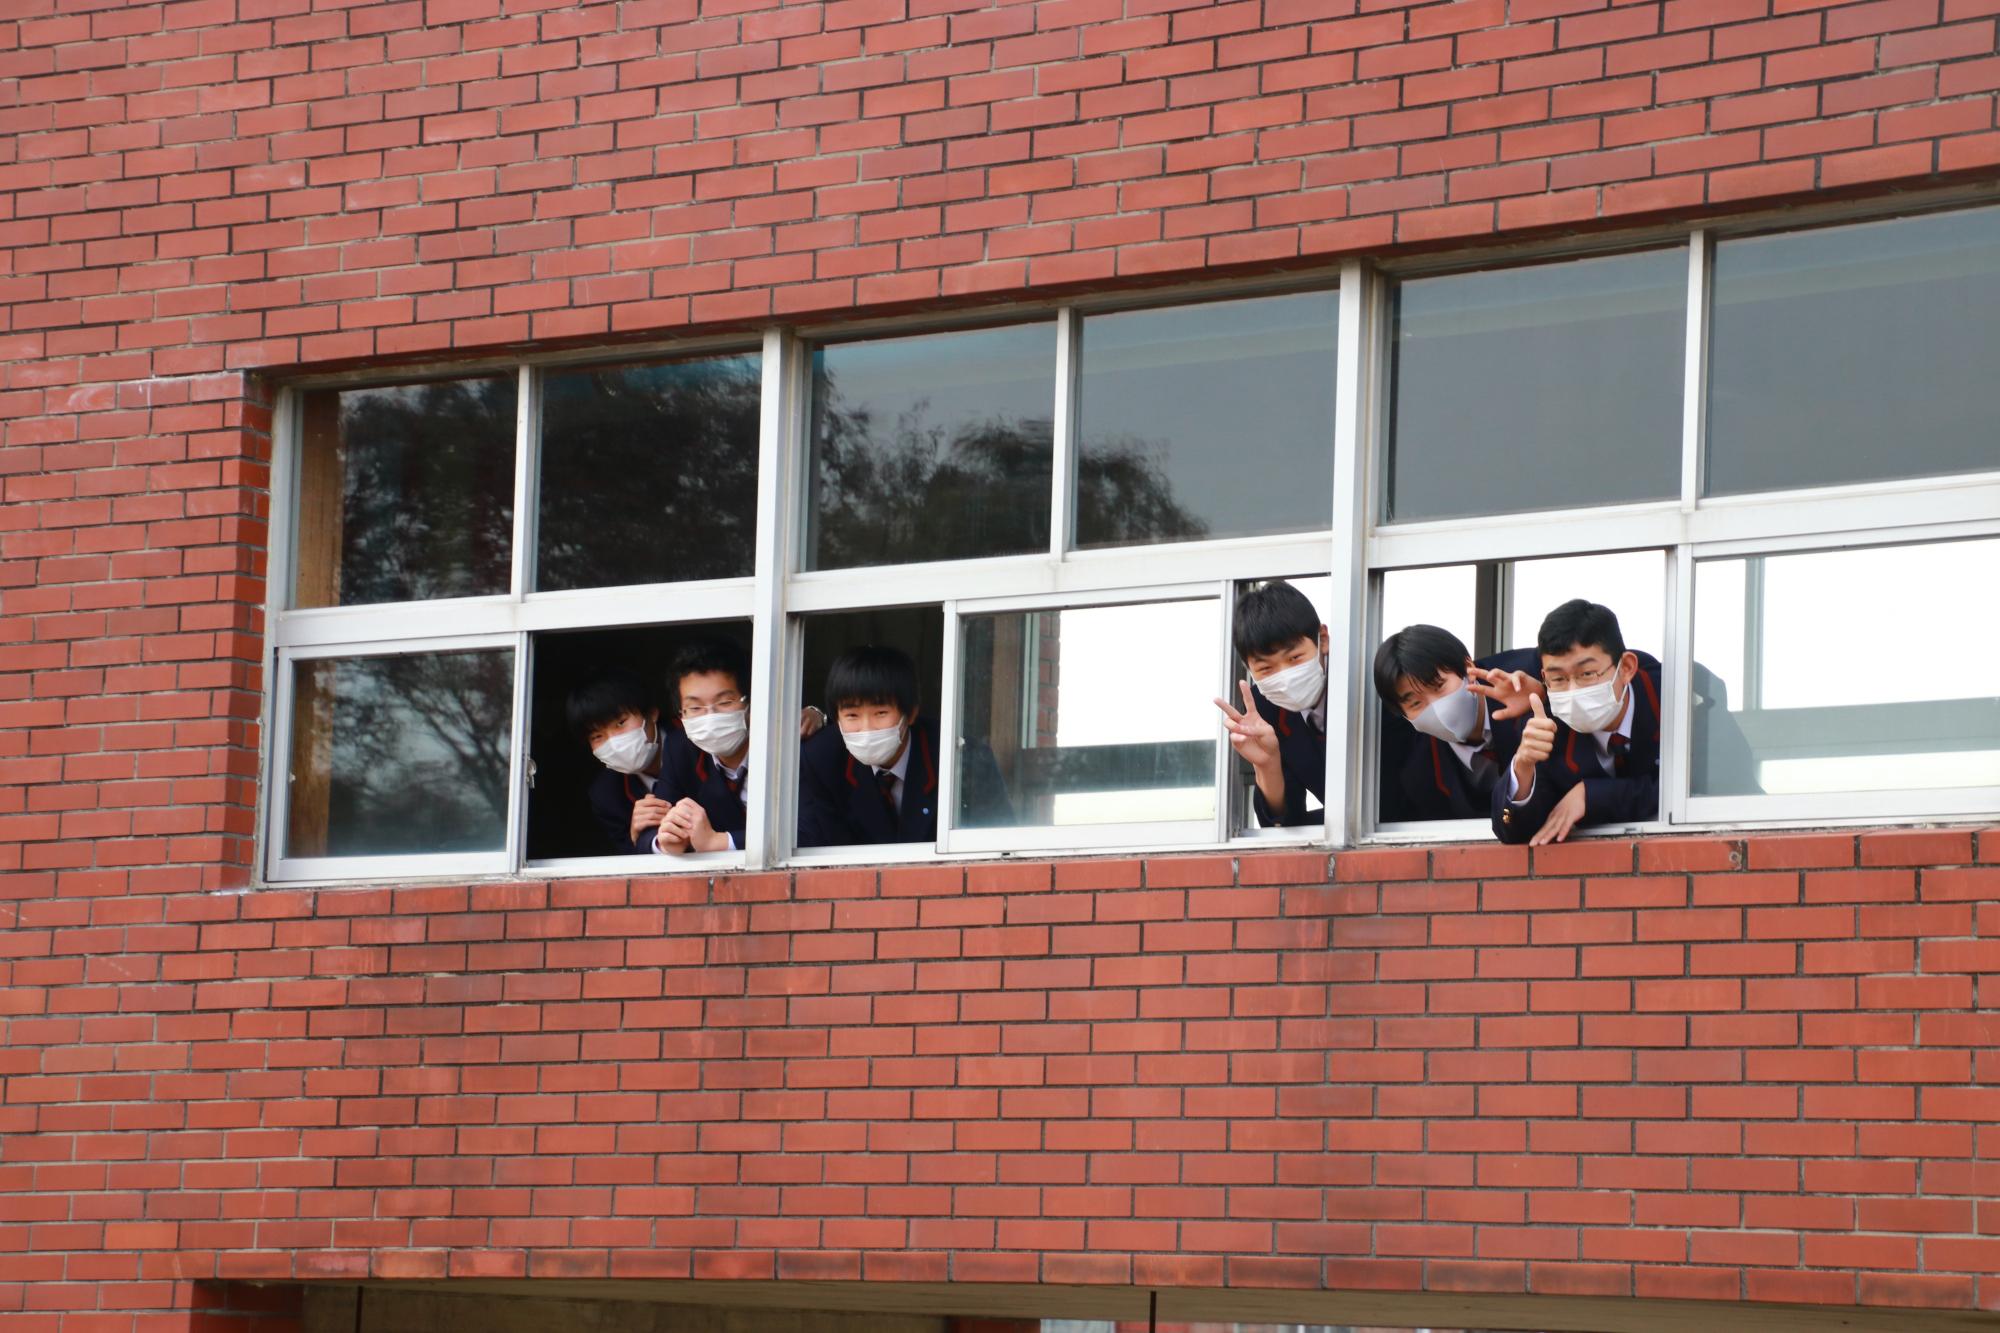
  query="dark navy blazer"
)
[
  {"x": 612, "y": 796},
  {"x": 688, "y": 770},
  {"x": 1431, "y": 783},
  {"x": 1608, "y": 797},
  {"x": 1301, "y": 758},
  {"x": 840, "y": 800}
]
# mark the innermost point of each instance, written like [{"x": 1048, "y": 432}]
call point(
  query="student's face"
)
[
  {"x": 1580, "y": 668},
  {"x": 625, "y": 721},
  {"x": 1413, "y": 697},
  {"x": 705, "y": 692},
  {"x": 1301, "y": 649},
  {"x": 869, "y": 717}
]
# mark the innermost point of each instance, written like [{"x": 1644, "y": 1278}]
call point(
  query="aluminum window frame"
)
[
  {"x": 1355, "y": 549},
  {"x": 1695, "y": 527}
]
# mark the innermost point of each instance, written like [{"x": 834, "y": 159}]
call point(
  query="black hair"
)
[
  {"x": 1580, "y": 624},
  {"x": 710, "y": 655},
  {"x": 606, "y": 697},
  {"x": 1272, "y": 616},
  {"x": 872, "y": 674},
  {"x": 1422, "y": 653}
]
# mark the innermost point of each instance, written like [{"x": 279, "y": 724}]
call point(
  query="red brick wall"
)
[
  {"x": 1637, "y": 1058},
  {"x": 1688, "y": 1067}
]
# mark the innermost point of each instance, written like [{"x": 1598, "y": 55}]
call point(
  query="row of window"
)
[{"x": 1052, "y": 520}]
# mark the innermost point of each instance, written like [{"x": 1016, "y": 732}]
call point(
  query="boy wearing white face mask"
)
[
  {"x": 873, "y": 776},
  {"x": 705, "y": 781},
  {"x": 618, "y": 717},
  {"x": 1597, "y": 759},
  {"x": 1467, "y": 715},
  {"x": 1281, "y": 728}
]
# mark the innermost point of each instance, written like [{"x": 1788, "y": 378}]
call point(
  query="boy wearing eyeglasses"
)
[
  {"x": 704, "y": 778},
  {"x": 1597, "y": 759}
]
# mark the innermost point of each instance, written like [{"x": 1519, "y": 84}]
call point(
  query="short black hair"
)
[
  {"x": 606, "y": 697},
  {"x": 1422, "y": 653},
  {"x": 872, "y": 674},
  {"x": 1272, "y": 616},
  {"x": 706, "y": 655},
  {"x": 1580, "y": 624}
]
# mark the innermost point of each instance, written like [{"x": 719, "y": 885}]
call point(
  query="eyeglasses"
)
[
  {"x": 727, "y": 703},
  {"x": 1582, "y": 680}
]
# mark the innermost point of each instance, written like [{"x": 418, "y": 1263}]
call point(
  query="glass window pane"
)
[
  {"x": 406, "y": 492},
  {"x": 1553, "y": 386},
  {"x": 1775, "y": 713},
  {"x": 1446, "y": 596},
  {"x": 1855, "y": 354},
  {"x": 649, "y": 473},
  {"x": 935, "y": 447},
  {"x": 1091, "y": 715},
  {"x": 400, "y": 754},
  {"x": 1632, "y": 583},
  {"x": 1207, "y": 421}
]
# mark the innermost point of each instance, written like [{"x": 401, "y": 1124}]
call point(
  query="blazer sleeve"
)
[
  {"x": 819, "y": 803},
  {"x": 614, "y": 815},
  {"x": 1295, "y": 811},
  {"x": 1518, "y": 821}
]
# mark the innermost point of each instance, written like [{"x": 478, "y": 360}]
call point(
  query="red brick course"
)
[
  {"x": 1706, "y": 1066},
  {"x": 1464, "y": 1070}
]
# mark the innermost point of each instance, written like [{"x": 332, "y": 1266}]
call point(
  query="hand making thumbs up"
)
[{"x": 1538, "y": 742}]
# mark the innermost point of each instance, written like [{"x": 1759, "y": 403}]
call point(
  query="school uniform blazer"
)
[
  {"x": 1608, "y": 798},
  {"x": 1433, "y": 784},
  {"x": 612, "y": 796},
  {"x": 841, "y": 805},
  {"x": 1301, "y": 758},
  {"x": 688, "y": 770}
]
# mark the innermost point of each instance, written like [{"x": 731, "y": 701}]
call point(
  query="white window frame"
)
[
  {"x": 1355, "y": 550},
  {"x": 1691, "y": 528}
]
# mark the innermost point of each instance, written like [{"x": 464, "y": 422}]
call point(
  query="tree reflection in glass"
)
[
  {"x": 649, "y": 473},
  {"x": 403, "y": 754},
  {"x": 1209, "y": 420},
  {"x": 941, "y": 447},
  {"x": 406, "y": 492},
  {"x": 936, "y": 447}
]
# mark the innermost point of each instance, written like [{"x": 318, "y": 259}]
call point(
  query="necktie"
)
[
  {"x": 886, "y": 780},
  {"x": 1620, "y": 751}
]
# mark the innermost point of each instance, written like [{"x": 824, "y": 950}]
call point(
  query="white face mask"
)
[
  {"x": 628, "y": 751},
  {"x": 877, "y": 749},
  {"x": 1297, "y": 688},
  {"x": 1450, "y": 717},
  {"x": 721, "y": 734},
  {"x": 1592, "y": 708}
]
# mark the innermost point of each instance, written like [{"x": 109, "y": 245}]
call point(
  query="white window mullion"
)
[
  {"x": 519, "y": 761},
  {"x": 1677, "y": 688},
  {"x": 1677, "y": 653},
  {"x": 1068, "y": 412},
  {"x": 1694, "y": 395},
  {"x": 277, "y": 794},
  {"x": 527, "y": 475},
  {"x": 1225, "y": 753},
  {"x": 949, "y": 750},
  {"x": 1355, "y": 443},
  {"x": 781, "y": 446}
]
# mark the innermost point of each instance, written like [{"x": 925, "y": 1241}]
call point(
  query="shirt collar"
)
[{"x": 902, "y": 764}]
